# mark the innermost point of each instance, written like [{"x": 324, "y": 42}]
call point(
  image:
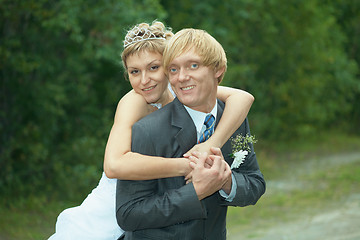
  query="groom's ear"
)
[{"x": 219, "y": 73}]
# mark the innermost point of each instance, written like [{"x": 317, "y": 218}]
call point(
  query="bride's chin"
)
[{"x": 151, "y": 100}]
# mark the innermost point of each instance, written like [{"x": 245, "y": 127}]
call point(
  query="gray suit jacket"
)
[{"x": 168, "y": 208}]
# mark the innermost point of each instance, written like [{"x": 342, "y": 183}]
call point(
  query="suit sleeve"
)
[
  {"x": 140, "y": 205},
  {"x": 249, "y": 179}
]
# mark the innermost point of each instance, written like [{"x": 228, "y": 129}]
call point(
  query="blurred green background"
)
[{"x": 61, "y": 80}]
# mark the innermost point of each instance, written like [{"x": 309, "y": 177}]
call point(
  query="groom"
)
[{"x": 168, "y": 208}]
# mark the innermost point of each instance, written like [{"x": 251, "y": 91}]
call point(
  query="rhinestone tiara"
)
[{"x": 140, "y": 34}]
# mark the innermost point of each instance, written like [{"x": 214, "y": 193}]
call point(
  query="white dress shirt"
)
[{"x": 198, "y": 119}]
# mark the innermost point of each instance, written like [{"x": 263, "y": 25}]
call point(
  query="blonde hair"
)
[
  {"x": 156, "y": 45},
  {"x": 211, "y": 52}
]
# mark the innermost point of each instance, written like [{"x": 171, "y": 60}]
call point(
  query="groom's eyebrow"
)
[{"x": 194, "y": 59}]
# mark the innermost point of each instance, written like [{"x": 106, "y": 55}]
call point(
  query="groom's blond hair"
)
[{"x": 207, "y": 47}]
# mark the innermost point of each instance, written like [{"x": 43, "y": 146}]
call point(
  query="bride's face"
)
[{"x": 147, "y": 76}]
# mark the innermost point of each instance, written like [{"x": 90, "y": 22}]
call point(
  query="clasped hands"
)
[{"x": 210, "y": 172}]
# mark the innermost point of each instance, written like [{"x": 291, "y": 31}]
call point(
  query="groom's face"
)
[
  {"x": 195, "y": 85},
  {"x": 146, "y": 75}
]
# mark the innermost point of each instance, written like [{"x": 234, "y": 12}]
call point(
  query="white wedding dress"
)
[{"x": 94, "y": 219}]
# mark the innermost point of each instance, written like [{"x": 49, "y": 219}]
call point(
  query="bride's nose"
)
[{"x": 145, "y": 78}]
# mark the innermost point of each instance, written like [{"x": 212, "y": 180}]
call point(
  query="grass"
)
[
  {"x": 292, "y": 191},
  {"x": 275, "y": 159},
  {"x": 29, "y": 218},
  {"x": 283, "y": 207},
  {"x": 35, "y": 217}
]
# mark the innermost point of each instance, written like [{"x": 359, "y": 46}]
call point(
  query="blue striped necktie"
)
[{"x": 209, "y": 123}]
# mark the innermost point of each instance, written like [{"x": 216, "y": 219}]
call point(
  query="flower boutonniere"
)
[{"x": 240, "y": 148}]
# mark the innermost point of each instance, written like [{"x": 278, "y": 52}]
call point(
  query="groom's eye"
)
[
  {"x": 194, "y": 66},
  {"x": 172, "y": 70}
]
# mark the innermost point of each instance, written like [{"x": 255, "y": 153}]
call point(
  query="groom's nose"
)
[{"x": 183, "y": 75}]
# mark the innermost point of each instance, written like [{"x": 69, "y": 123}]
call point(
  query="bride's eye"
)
[
  {"x": 135, "y": 71},
  {"x": 155, "y": 67}
]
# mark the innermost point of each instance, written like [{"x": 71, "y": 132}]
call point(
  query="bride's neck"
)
[{"x": 167, "y": 98}]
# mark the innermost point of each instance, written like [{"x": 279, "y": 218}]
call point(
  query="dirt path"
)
[
  {"x": 338, "y": 224},
  {"x": 341, "y": 220}
]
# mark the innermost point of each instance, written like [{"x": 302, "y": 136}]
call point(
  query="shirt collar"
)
[{"x": 199, "y": 117}]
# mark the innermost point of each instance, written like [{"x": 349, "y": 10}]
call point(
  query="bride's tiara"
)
[{"x": 140, "y": 34}]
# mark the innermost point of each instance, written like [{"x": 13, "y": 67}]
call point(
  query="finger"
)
[
  {"x": 196, "y": 154},
  {"x": 193, "y": 165},
  {"x": 189, "y": 176},
  {"x": 188, "y": 154},
  {"x": 228, "y": 170},
  {"x": 194, "y": 159},
  {"x": 216, "y": 151},
  {"x": 193, "y": 149},
  {"x": 198, "y": 161},
  {"x": 222, "y": 163},
  {"x": 223, "y": 166},
  {"x": 202, "y": 158},
  {"x": 213, "y": 158},
  {"x": 208, "y": 162},
  {"x": 216, "y": 162}
]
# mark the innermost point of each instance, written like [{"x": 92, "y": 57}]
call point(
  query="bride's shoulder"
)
[
  {"x": 133, "y": 100},
  {"x": 133, "y": 103},
  {"x": 132, "y": 97}
]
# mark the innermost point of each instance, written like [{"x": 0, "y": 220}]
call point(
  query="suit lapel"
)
[
  {"x": 186, "y": 136},
  {"x": 220, "y": 110},
  {"x": 226, "y": 149}
]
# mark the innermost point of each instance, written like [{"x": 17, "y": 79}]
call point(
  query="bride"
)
[{"x": 95, "y": 217}]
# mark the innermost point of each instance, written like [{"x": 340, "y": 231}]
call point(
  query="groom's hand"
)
[
  {"x": 207, "y": 180},
  {"x": 227, "y": 186},
  {"x": 193, "y": 158}
]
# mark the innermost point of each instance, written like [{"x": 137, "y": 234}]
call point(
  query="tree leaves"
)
[
  {"x": 61, "y": 76},
  {"x": 60, "y": 83}
]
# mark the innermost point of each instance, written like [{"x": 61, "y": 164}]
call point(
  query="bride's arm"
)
[
  {"x": 120, "y": 162},
  {"x": 237, "y": 106}
]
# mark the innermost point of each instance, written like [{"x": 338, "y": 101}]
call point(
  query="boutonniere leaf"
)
[{"x": 240, "y": 148}]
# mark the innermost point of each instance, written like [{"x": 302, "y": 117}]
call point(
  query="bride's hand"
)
[{"x": 201, "y": 147}]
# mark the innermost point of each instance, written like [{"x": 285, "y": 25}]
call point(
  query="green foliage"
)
[
  {"x": 60, "y": 82},
  {"x": 61, "y": 78},
  {"x": 289, "y": 54},
  {"x": 347, "y": 15}
]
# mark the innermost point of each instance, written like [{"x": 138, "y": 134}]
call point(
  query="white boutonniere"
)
[{"x": 240, "y": 147}]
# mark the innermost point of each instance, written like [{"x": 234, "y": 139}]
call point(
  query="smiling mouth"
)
[
  {"x": 149, "y": 88},
  {"x": 187, "y": 88}
]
